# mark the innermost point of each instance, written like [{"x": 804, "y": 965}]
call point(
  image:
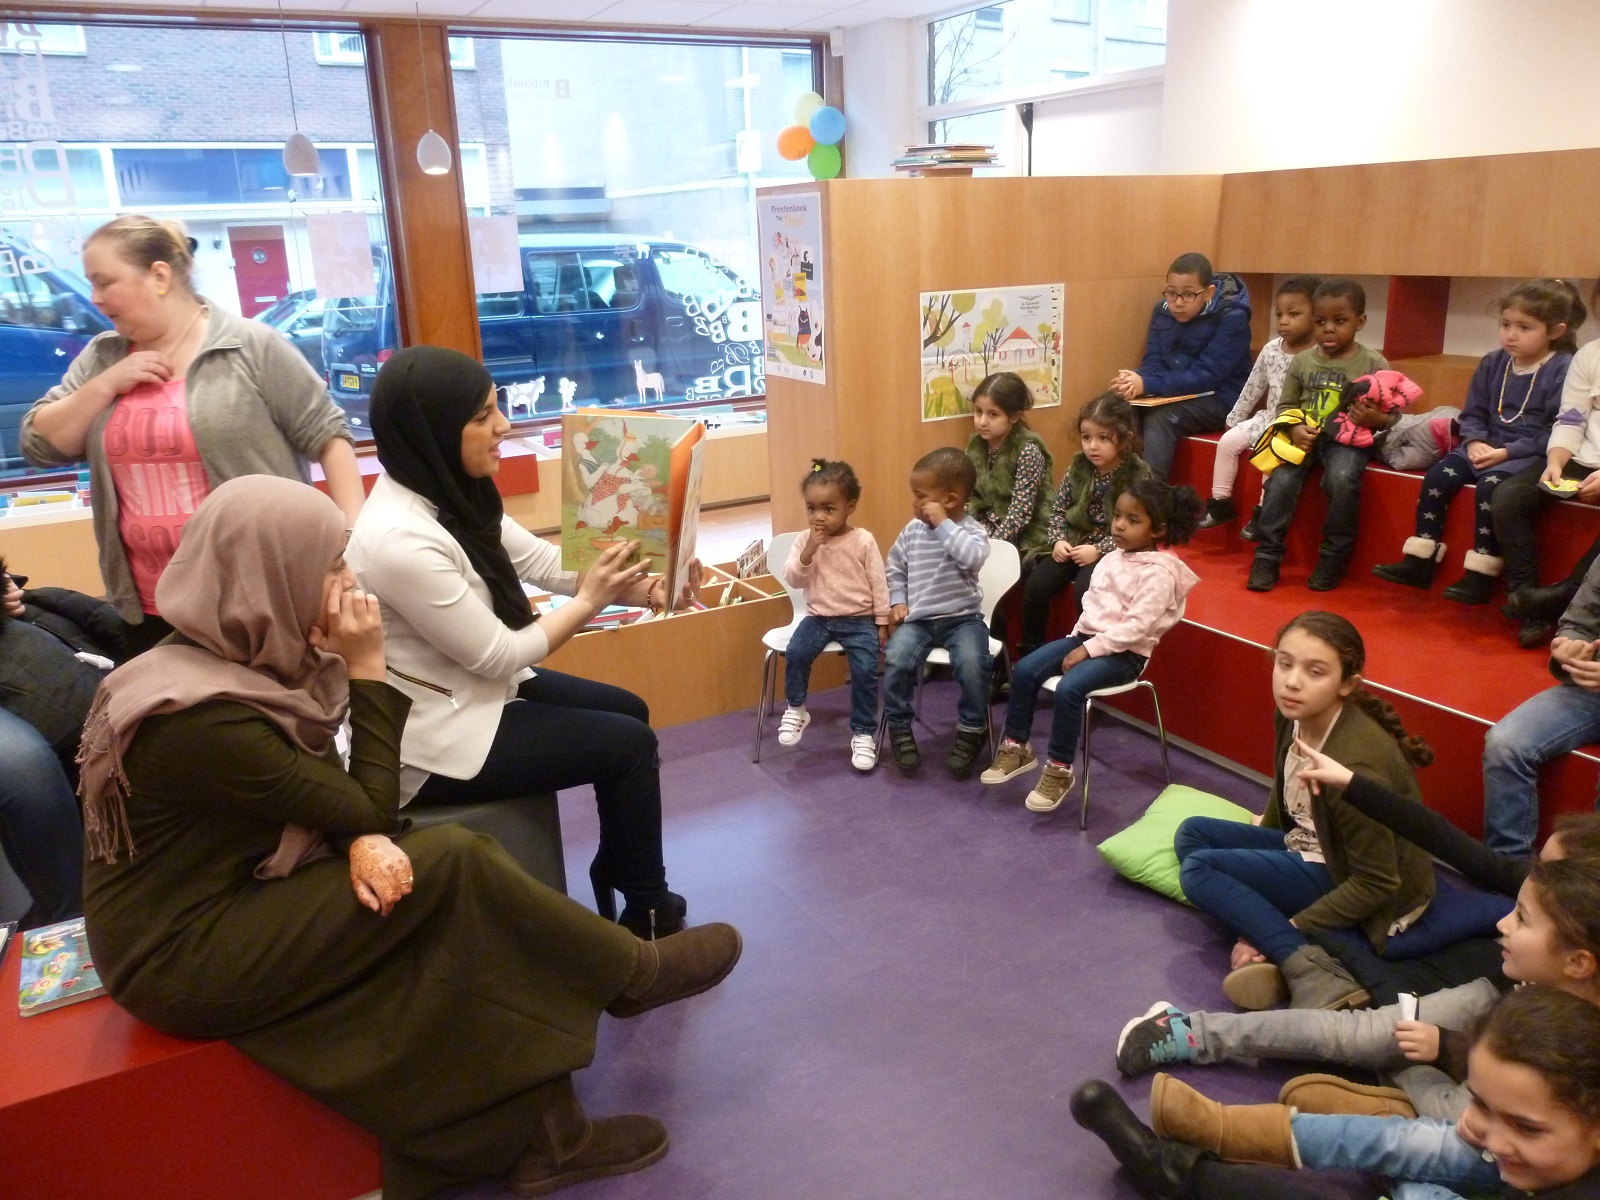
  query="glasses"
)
[{"x": 1169, "y": 295}]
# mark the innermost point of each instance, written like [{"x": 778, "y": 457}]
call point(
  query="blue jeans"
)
[
  {"x": 967, "y": 639},
  {"x": 1242, "y": 875},
  {"x": 40, "y": 830},
  {"x": 1539, "y": 729},
  {"x": 1342, "y": 470},
  {"x": 1421, "y": 1149},
  {"x": 1164, "y": 427},
  {"x": 1028, "y": 676},
  {"x": 859, "y": 637}
]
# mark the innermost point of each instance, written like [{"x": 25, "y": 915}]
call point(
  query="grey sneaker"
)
[
  {"x": 1014, "y": 758},
  {"x": 1051, "y": 789}
]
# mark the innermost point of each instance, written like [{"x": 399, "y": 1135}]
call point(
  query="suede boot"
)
[
  {"x": 1161, "y": 1169},
  {"x": 1419, "y": 559},
  {"x": 1318, "y": 980},
  {"x": 1477, "y": 585},
  {"x": 567, "y": 1147},
  {"x": 1334, "y": 1095},
  {"x": 678, "y": 967},
  {"x": 1241, "y": 1133},
  {"x": 1256, "y": 986}
]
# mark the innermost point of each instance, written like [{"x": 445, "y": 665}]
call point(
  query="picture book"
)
[
  {"x": 1159, "y": 401},
  {"x": 628, "y": 476},
  {"x": 56, "y": 968}
]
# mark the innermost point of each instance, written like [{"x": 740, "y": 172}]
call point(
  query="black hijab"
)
[{"x": 421, "y": 401}]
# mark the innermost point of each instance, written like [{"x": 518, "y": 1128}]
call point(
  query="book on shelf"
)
[
  {"x": 609, "y": 617},
  {"x": 57, "y": 968}
]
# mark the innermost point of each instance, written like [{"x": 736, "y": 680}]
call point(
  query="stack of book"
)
[{"x": 954, "y": 158}]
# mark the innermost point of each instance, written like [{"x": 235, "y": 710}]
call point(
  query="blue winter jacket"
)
[{"x": 1211, "y": 353}]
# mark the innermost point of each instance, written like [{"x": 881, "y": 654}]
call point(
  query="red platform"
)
[{"x": 95, "y": 1104}]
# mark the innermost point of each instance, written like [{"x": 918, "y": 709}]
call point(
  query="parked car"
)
[
  {"x": 598, "y": 321},
  {"x": 45, "y": 320},
  {"x": 298, "y": 316}
]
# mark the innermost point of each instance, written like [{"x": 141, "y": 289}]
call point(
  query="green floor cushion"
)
[{"x": 1143, "y": 851}]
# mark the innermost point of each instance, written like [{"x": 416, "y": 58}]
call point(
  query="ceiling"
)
[{"x": 758, "y": 15}]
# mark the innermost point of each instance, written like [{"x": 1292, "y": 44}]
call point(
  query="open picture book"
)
[{"x": 628, "y": 476}]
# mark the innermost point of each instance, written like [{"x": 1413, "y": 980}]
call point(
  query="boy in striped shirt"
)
[{"x": 934, "y": 600}]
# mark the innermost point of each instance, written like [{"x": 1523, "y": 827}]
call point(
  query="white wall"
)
[
  {"x": 1255, "y": 85},
  {"x": 1103, "y": 132},
  {"x": 882, "y": 89}
]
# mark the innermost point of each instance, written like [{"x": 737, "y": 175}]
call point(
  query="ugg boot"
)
[
  {"x": 1477, "y": 585},
  {"x": 1241, "y": 1133},
  {"x": 1420, "y": 558},
  {"x": 1161, "y": 1169},
  {"x": 567, "y": 1147},
  {"x": 1333, "y": 1095},
  {"x": 677, "y": 967},
  {"x": 1318, "y": 980},
  {"x": 1256, "y": 986}
]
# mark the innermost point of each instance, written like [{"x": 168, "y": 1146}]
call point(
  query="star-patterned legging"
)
[{"x": 1447, "y": 477}]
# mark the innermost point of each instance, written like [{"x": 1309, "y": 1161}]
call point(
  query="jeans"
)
[
  {"x": 1342, "y": 469},
  {"x": 1092, "y": 673},
  {"x": 1516, "y": 503},
  {"x": 1164, "y": 427},
  {"x": 1539, "y": 729},
  {"x": 1358, "y": 1038},
  {"x": 1447, "y": 477},
  {"x": 562, "y": 732},
  {"x": 1423, "y": 1149},
  {"x": 1046, "y": 580},
  {"x": 1242, "y": 875},
  {"x": 40, "y": 830},
  {"x": 859, "y": 637},
  {"x": 967, "y": 640}
]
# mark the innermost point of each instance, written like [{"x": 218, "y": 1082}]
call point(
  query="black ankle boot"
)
[
  {"x": 1410, "y": 570},
  {"x": 663, "y": 920},
  {"x": 1218, "y": 512},
  {"x": 1534, "y": 603},
  {"x": 1160, "y": 1168},
  {"x": 1472, "y": 588},
  {"x": 1250, "y": 533}
]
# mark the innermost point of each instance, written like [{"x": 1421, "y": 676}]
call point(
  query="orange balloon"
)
[{"x": 795, "y": 142}]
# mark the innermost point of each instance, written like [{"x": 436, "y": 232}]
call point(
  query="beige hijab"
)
[{"x": 244, "y": 586}]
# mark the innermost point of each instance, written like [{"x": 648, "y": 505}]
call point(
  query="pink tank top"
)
[{"x": 158, "y": 475}]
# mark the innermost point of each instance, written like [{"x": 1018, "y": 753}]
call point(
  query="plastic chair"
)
[
  {"x": 1088, "y": 706},
  {"x": 998, "y": 575}
]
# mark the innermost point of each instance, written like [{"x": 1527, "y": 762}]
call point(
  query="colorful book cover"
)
[
  {"x": 630, "y": 477},
  {"x": 57, "y": 968}
]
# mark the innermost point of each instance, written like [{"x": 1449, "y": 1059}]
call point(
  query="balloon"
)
[
  {"x": 827, "y": 125},
  {"x": 795, "y": 142},
  {"x": 807, "y": 104},
  {"x": 824, "y": 162}
]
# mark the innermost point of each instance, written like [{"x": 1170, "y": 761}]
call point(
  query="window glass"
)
[
  {"x": 111, "y": 128},
  {"x": 1025, "y": 46},
  {"x": 989, "y": 128}
]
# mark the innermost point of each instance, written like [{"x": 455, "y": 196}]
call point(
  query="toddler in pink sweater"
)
[
  {"x": 847, "y": 601},
  {"x": 1137, "y": 595}
]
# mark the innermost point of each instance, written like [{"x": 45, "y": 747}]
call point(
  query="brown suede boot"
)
[
  {"x": 1333, "y": 1095},
  {"x": 1256, "y": 986},
  {"x": 567, "y": 1147},
  {"x": 676, "y": 967},
  {"x": 1241, "y": 1133}
]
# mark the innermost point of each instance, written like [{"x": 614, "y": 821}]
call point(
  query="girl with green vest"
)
[{"x": 1078, "y": 528}]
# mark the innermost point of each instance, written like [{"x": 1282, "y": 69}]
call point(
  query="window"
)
[
  {"x": 989, "y": 128},
  {"x": 350, "y": 50},
  {"x": 993, "y": 17},
  {"x": 1070, "y": 10},
  {"x": 24, "y": 37}
]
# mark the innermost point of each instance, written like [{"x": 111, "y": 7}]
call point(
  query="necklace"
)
[
  {"x": 183, "y": 334},
  {"x": 1500, "y": 405}
]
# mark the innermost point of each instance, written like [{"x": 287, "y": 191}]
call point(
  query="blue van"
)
[
  {"x": 598, "y": 321},
  {"x": 45, "y": 320}
]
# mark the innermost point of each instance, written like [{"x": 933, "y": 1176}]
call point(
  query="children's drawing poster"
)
[
  {"x": 968, "y": 335},
  {"x": 790, "y": 231}
]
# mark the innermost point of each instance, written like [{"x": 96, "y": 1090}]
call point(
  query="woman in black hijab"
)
[{"x": 433, "y": 541}]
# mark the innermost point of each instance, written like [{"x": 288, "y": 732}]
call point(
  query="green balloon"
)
[
  {"x": 824, "y": 162},
  {"x": 807, "y": 104}
]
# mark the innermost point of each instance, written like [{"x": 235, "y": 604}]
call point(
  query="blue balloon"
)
[{"x": 827, "y": 125}]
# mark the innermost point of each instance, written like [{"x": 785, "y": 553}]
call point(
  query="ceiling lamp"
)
[
  {"x": 433, "y": 152},
  {"x": 299, "y": 155}
]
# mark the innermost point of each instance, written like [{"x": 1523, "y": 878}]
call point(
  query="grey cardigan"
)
[{"x": 256, "y": 408}]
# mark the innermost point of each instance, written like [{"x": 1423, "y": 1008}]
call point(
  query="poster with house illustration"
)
[
  {"x": 967, "y": 335},
  {"x": 789, "y": 229}
]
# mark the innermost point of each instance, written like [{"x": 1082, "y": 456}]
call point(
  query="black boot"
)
[
  {"x": 1535, "y": 634},
  {"x": 1472, "y": 588},
  {"x": 1250, "y": 533},
  {"x": 1218, "y": 512},
  {"x": 1418, "y": 561},
  {"x": 1548, "y": 603},
  {"x": 1160, "y": 1169},
  {"x": 656, "y": 921},
  {"x": 1325, "y": 576}
]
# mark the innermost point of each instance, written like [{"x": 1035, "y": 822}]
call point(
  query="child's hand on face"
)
[
  {"x": 932, "y": 512},
  {"x": 1061, "y": 552},
  {"x": 1303, "y": 436},
  {"x": 1085, "y": 553},
  {"x": 1323, "y": 770},
  {"x": 1075, "y": 656},
  {"x": 1417, "y": 1040}
]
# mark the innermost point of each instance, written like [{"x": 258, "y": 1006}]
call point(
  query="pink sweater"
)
[
  {"x": 1132, "y": 600},
  {"x": 845, "y": 579}
]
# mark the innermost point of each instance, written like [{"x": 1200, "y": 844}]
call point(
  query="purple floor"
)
[{"x": 929, "y": 970}]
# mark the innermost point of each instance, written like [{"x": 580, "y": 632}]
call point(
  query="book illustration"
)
[
  {"x": 630, "y": 477},
  {"x": 752, "y": 560},
  {"x": 969, "y": 335},
  {"x": 57, "y": 968},
  {"x": 789, "y": 233}
]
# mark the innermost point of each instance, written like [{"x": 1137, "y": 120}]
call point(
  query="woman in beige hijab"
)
[{"x": 242, "y": 884}]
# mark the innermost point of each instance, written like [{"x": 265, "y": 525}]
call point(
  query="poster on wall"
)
[
  {"x": 790, "y": 231},
  {"x": 341, "y": 254},
  {"x": 968, "y": 335},
  {"x": 496, "y": 257}
]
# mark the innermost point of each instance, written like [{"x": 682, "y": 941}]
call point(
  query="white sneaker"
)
[
  {"x": 863, "y": 751},
  {"x": 792, "y": 726}
]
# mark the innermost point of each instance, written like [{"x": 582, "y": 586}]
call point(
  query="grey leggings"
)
[{"x": 1362, "y": 1038}]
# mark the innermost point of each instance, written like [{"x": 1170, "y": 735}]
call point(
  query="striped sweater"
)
[{"x": 933, "y": 569}]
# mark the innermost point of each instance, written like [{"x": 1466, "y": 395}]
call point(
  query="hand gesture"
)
[
  {"x": 1244, "y": 954},
  {"x": 1589, "y": 489},
  {"x": 1085, "y": 554},
  {"x": 352, "y": 628},
  {"x": 1417, "y": 1040},
  {"x": 693, "y": 576},
  {"x": 1566, "y": 650},
  {"x": 612, "y": 575},
  {"x": 1553, "y": 472},
  {"x": 1074, "y": 656},
  {"x": 1061, "y": 551},
  {"x": 815, "y": 538},
  {"x": 380, "y": 873},
  {"x": 1303, "y": 436},
  {"x": 142, "y": 366},
  {"x": 897, "y": 616},
  {"x": 932, "y": 512},
  {"x": 1323, "y": 770},
  {"x": 1583, "y": 668}
]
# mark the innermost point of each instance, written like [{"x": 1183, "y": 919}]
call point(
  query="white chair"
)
[
  {"x": 998, "y": 575},
  {"x": 1088, "y": 707}
]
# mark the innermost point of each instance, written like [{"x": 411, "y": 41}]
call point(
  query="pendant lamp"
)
[
  {"x": 299, "y": 155},
  {"x": 433, "y": 152}
]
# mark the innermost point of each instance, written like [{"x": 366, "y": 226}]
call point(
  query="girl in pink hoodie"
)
[{"x": 1137, "y": 595}]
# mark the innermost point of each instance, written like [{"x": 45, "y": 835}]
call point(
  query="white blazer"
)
[{"x": 446, "y": 649}]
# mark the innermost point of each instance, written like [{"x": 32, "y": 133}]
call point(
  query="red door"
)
[{"x": 260, "y": 266}]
